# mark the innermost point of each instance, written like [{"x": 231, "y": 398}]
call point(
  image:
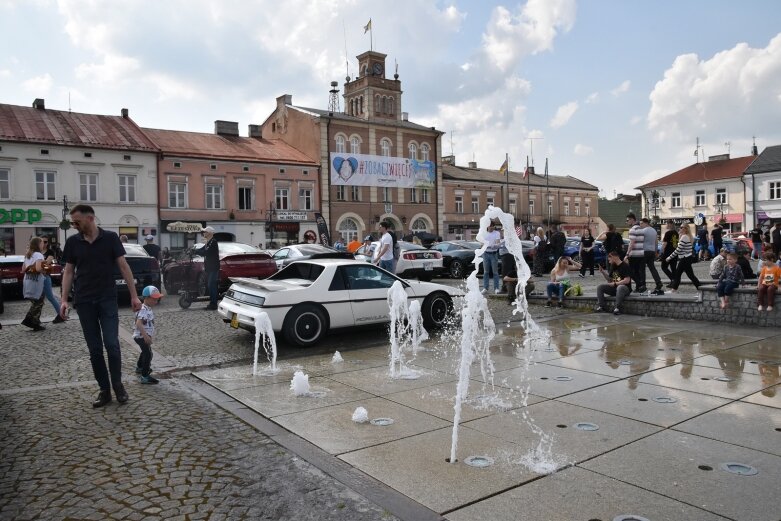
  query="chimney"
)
[
  {"x": 720, "y": 157},
  {"x": 285, "y": 99},
  {"x": 449, "y": 160},
  {"x": 39, "y": 104},
  {"x": 254, "y": 131},
  {"x": 754, "y": 150},
  {"x": 405, "y": 116},
  {"x": 473, "y": 164},
  {"x": 226, "y": 128},
  {"x": 125, "y": 113}
]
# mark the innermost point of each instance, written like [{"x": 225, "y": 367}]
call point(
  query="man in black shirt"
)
[
  {"x": 151, "y": 248},
  {"x": 775, "y": 238},
  {"x": 702, "y": 241},
  {"x": 90, "y": 258},
  {"x": 669, "y": 243},
  {"x": 716, "y": 234},
  {"x": 619, "y": 283},
  {"x": 211, "y": 264}
]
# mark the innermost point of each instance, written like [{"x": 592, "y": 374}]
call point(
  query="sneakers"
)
[
  {"x": 657, "y": 291},
  {"x": 58, "y": 320},
  {"x": 769, "y": 308},
  {"x": 548, "y": 304},
  {"x": 138, "y": 370},
  {"x": 148, "y": 379},
  {"x": 497, "y": 291},
  {"x": 104, "y": 397},
  {"x": 211, "y": 308},
  {"x": 616, "y": 311},
  {"x": 561, "y": 304},
  {"x": 483, "y": 291},
  {"x": 759, "y": 308},
  {"x": 599, "y": 309},
  {"x": 582, "y": 276},
  {"x": 121, "y": 393}
]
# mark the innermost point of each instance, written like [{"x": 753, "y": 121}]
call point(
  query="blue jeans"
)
[
  {"x": 558, "y": 288},
  {"x": 100, "y": 323},
  {"x": 491, "y": 266},
  {"x": 212, "y": 281},
  {"x": 725, "y": 288},
  {"x": 49, "y": 294},
  {"x": 757, "y": 250},
  {"x": 387, "y": 265}
]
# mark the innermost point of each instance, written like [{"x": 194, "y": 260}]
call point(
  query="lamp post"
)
[
  {"x": 656, "y": 201},
  {"x": 720, "y": 208},
  {"x": 65, "y": 222}
]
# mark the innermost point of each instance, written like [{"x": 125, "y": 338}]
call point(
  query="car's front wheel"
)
[
  {"x": 305, "y": 325},
  {"x": 457, "y": 269},
  {"x": 437, "y": 307}
]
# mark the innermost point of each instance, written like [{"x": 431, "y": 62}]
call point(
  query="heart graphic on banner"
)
[{"x": 345, "y": 168}]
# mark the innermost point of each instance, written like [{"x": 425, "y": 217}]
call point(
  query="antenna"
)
[
  {"x": 346, "y": 56},
  {"x": 69, "y": 101},
  {"x": 451, "y": 144},
  {"x": 697, "y": 150},
  {"x": 727, "y": 144},
  {"x": 333, "y": 98},
  {"x": 531, "y": 146}
]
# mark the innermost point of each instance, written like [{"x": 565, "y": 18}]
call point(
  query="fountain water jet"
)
[
  {"x": 263, "y": 328},
  {"x": 406, "y": 331}
]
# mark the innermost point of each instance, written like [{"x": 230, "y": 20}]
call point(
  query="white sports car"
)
[{"x": 307, "y": 298}]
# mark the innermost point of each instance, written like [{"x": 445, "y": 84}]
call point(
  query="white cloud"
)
[
  {"x": 621, "y": 89},
  {"x": 635, "y": 120},
  {"x": 5, "y": 73},
  {"x": 563, "y": 114},
  {"x": 592, "y": 98},
  {"x": 39, "y": 85},
  {"x": 582, "y": 150},
  {"x": 734, "y": 93}
]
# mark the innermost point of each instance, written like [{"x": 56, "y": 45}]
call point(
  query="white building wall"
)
[
  {"x": 760, "y": 205},
  {"x": 736, "y": 201},
  {"x": 22, "y": 160}
]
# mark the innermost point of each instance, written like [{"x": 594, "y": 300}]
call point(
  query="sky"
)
[{"x": 613, "y": 92}]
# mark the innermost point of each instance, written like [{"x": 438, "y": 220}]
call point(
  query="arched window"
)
[
  {"x": 385, "y": 147},
  {"x": 349, "y": 230},
  {"x": 377, "y": 104},
  {"x": 360, "y": 105},
  {"x": 340, "y": 144},
  {"x": 355, "y": 145},
  {"x": 413, "y": 151},
  {"x": 419, "y": 226},
  {"x": 424, "y": 150},
  {"x": 352, "y": 107},
  {"x": 391, "y": 107},
  {"x": 384, "y": 104}
]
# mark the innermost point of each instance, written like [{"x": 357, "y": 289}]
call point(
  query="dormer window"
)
[
  {"x": 44, "y": 151},
  {"x": 127, "y": 157}
]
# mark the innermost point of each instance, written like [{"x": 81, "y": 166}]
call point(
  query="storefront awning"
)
[{"x": 733, "y": 217}]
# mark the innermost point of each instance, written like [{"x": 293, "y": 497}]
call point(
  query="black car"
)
[
  {"x": 457, "y": 257},
  {"x": 145, "y": 268}
]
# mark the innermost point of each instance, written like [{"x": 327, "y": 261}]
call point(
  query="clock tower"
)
[{"x": 371, "y": 95}]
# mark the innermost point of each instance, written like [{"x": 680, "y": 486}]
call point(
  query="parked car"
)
[
  {"x": 287, "y": 254},
  {"x": 415, "y": 261},
  {"x": 600, "y": 255},
  {"x": 307, "y": 299},
  {"x": 457, "y": 258},
  {"x": 727, "y": 242},
  {"x": 145, "y": 268},
  {"x": 236, "y": 260},
  {"x": 11, "y": 275}
]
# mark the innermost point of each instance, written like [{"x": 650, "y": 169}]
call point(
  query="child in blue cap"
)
[{"x": 144, "y": 332}]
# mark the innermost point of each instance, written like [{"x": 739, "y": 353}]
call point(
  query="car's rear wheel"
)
[
  {"x": 305, "y": 325},
  {"x": 457, "y": 269},
  {"x": 437, "y": 307}
]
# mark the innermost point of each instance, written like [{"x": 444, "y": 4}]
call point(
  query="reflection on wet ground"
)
[{"x": 681, "y": 400}]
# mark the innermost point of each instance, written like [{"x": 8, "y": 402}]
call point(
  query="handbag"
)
[{"x": 32, "y": 286}]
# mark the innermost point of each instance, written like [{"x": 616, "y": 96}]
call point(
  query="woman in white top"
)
[
  {"x": 559, "y": 281},
  {"x": 685, "y": 259},
  {"x": 33, "y": 269}
]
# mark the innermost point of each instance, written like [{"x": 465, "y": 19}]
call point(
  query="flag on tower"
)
[
  {"x": 503, "y": 168},
  {"x": 367, "y": 27}
]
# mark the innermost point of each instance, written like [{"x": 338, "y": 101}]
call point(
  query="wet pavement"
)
[{"x": 648, "y": 417}]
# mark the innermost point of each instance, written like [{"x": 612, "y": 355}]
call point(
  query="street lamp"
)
[
  {"x": 719, "y": 206},
  {"x": 270, "y": 214},
  {"x": 655, "y": 201}
]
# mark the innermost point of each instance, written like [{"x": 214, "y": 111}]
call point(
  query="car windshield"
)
[
  {"x": 135, "y": 250},
  {"x": 312, "y": 249}
]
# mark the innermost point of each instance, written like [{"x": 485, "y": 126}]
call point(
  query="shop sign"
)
[
  {"x": 182, "y": 227},
  {"x": 290, "y": 216},
  {"x": 17, "y": 215}
]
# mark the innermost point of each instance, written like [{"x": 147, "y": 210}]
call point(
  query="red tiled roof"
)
[
  {"x": 57, "y": 127},
  {"x": 699, "y": 172},
  {"x": 214, "y": 146}
]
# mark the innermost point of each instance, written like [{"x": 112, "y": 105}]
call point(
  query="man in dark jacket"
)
[
  {"x": 775, "y": 238},
  {"x": 211, "y": 264},
  {"x": 557, "y": 242}
]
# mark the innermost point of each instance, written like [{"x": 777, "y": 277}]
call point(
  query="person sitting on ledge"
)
[
  {"x": 731, "y": 277},
  {"x": 767, "y": 285},
  {"x": 619, "y": 283}
]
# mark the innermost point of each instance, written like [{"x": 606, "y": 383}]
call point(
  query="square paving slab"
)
[
  {"x": 770, "y": 396},
  {"x": 275, "y": 399},
  {"x": 240, "y": 377},
  {"x": 439, "y": 400},
  {"x": 416, "y": 467},
  {"x": 378, "y": 381},
  {"x": 323, "y": 365},
  {"x": 332, "y": 428},
  {"x": 745, "y": 424},
  {"x": 608, "y": 363},
  {"x": 561, "y": 420},
  {"x": 727, "y": 382},
  {"x": 579, "y": 494},
  {"x": 547, "y": 380},
  {"x": 648, "y": 403},
  {"x": 451, "y": 365},
  {"x": 683, "y": 474}
]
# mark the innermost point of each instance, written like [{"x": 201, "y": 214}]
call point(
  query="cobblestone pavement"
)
[{"x": 168, "y": 453}]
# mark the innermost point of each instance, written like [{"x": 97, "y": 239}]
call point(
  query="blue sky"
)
[{"x": 617, "y": 90}]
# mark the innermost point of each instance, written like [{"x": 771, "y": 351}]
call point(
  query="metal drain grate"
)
[
  {"x": 479, "y": 461},
  {"x": 739, "y": 468},
  {"x": 381, "y": 422}
]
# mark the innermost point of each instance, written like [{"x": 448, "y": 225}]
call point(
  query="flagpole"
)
[
  {"x": 371, "y": 36},
  {"x": 528, "y": 196},
  {"x": 547, "y": 193},
  {"x": 507, "y": 183}
]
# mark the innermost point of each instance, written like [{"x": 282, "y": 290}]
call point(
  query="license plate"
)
[
  {"x": 428, "y": 266},
  {"x": 9, "y": 281},
  {"x": 235, "y": 321}
]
